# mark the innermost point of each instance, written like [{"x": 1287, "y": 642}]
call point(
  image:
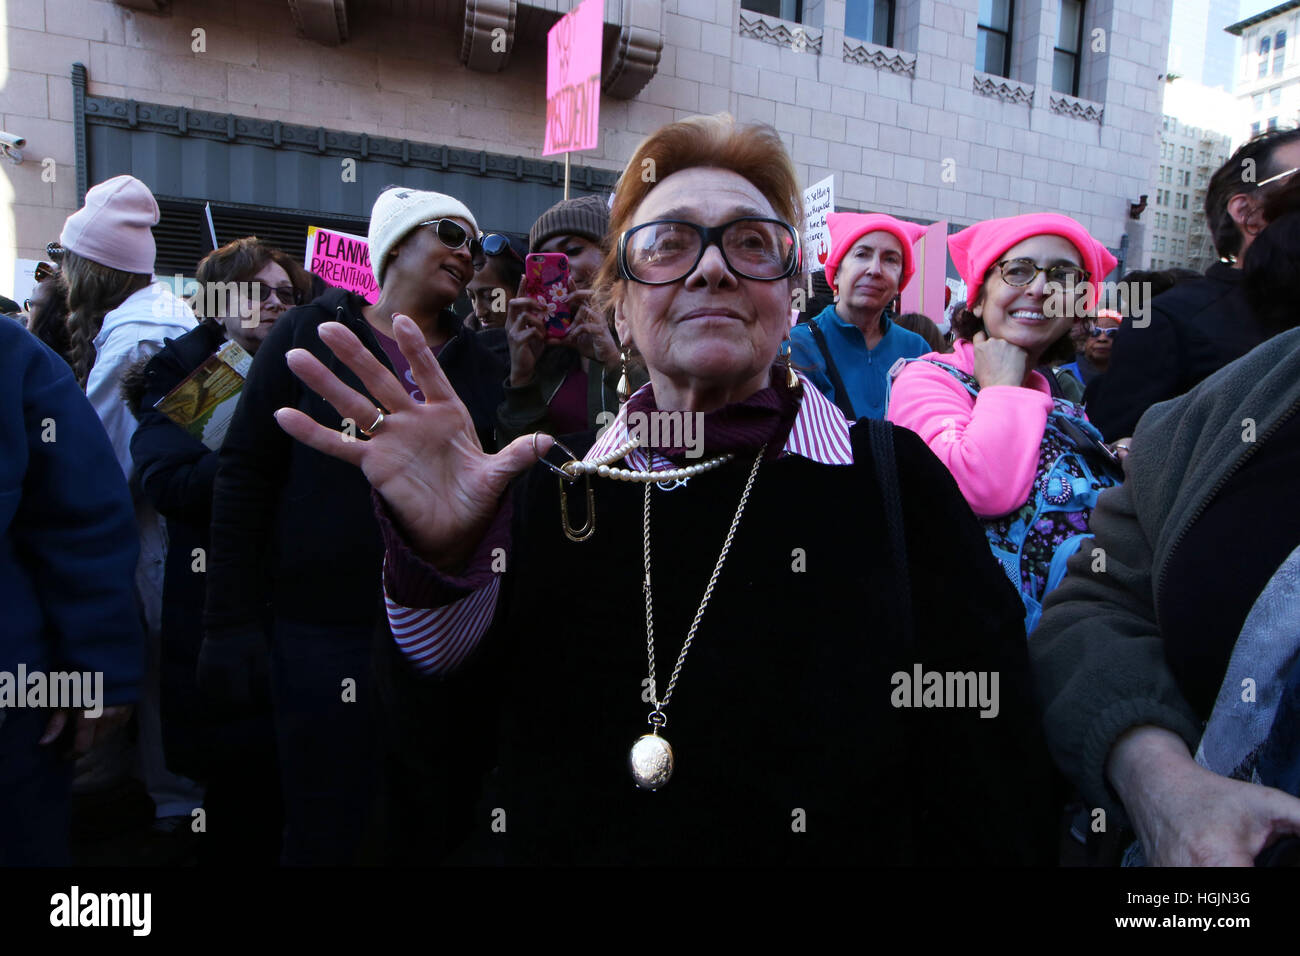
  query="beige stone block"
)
[
  {"x": 810, "y": 150},
  {"x": 120, "y": 64},
  {"x": 908, "y": 168},
  {"x": 25, "y": 94},
  {"x": 715, "y": 99},
  {"x": 848, "y": 103},
  {"x": 196, "y": 75},
  {"x": 60, "y": 100},
  {"x": 857, "y": 187},
  {"x": 774, "y": 86},
  {"x": 694, "y": 65},
  {"x": 716, "y": 39},
  {"x": 35, "y": 52},
  {"x": 25, "y": 14},
  {"x": 862, "y": 133},
  {"x": 45, "y": 137},
  {"x": 941, "y": 123},
  {"x": 893, "y": 139},
  {"x": 843, "y": 157},
  {"x": 752, "y": 109},
  {"x": 828, "y": 126},
  {"x": 400, "y": 74},
  {"x": 37, "y": 224},
  {"x": 877, "y": 162},
  {"x": 647, "y": 117},
  {"x": 258, "y": 87},
  {"x": 681, "y": 31},
  {"x": 483, "y": 124},
  {"x": 88, "y": 19}
]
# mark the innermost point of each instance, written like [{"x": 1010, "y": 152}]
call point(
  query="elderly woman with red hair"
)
[
  {"x": 848, "y": 350},
  {"x": 569, "y": 630},
  {"x": 1030, "y": 465}
]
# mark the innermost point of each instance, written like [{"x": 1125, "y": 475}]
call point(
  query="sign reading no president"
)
[
  {"x": 573, "y": 79},
  {"x": 342, "y": 260}
]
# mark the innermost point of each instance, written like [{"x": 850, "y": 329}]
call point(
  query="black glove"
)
[{"x": 234, "y": 672}]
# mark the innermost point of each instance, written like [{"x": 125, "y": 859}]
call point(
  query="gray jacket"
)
[{"x": 1098, "y": 656}]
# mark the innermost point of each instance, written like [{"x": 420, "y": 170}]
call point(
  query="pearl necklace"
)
[{"x": 601, "y": 467}]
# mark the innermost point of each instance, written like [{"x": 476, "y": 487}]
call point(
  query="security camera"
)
[{"x": 12, "y": 146}]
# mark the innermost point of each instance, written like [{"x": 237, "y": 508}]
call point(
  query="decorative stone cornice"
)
[
  {"x": 480, "y": 48},
  {"x": 1001, "y": 88},
  {"x": 793, "y": 36},
  {"x": 325, "y": 21},
  {"x": 1076, "y": 108},
  {"x": 881, "y": 57},
  {"x": 633, "y": 59},
  {"x": 272, "y": 134}
]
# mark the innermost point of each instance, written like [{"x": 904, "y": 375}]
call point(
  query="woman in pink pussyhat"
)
[
  {"x": 848, "y": 349},
  {"x": 1029, "y": 464},
  {"x": 119, "y": 316}
]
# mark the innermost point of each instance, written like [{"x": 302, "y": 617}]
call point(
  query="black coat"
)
[
  {"x": 292, "y": 529},
  {"x": 1196, "y": 328},
  {"x": 175, "y": 472},
  {"x": 789, "y": 745}
]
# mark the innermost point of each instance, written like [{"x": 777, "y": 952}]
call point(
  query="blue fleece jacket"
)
[
  {"x": 68, "y": 539},
  {"x": 865, "y": 372}
]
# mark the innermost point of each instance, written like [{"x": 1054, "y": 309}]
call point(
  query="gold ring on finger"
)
[{"x": 379, "y": 420}]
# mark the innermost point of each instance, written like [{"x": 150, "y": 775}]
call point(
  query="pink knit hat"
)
[
  {"x": 846, "y": 228},
  {"x": 977, "y": 247},
  {"x": 113, "y": 228}
]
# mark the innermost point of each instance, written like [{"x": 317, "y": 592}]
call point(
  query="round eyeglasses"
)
[
  {"x": 1021, "y": 272},
  {"x": 668, "y": 250}
]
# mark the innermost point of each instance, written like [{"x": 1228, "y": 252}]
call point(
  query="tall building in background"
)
[
  {"x": 1177, "y": 236},
  {"x": 1267, "y": 78},
  {"x": 1199, "y": 49}
]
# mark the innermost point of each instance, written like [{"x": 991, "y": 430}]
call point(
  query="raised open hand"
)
[{"x": 424, "y": 459}]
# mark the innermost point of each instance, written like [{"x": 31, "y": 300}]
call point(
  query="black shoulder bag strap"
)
[
  {"x": 841, "y": 393},
  {"x": 881, "y": 436}
]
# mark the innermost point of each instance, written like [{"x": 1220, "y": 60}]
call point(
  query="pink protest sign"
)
[
  {"x": 925, "y": 293},
  {"x": 573, "y": 79},
  {"x": 342, "y": 260}
]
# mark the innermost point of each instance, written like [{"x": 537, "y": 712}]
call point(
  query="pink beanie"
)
[
  {"x": 113, "y": 228},
  {"x": 977, "y": 247},
  {"x": 846, "y": 228}
]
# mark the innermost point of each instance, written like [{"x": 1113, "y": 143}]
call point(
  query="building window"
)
[
  {"x": 993, "y": 46},
  {"x": 1187, "y": 177},
  {"x": 1272, "y": 122},
  {"x": 1182, "y": 200},
  {"x": 1279, "y": 52},
  {"x": 1069, "y": 40},
  {"x": 1257, "y": 101},
  {"x": 870, "y": 20},
  {"x": 1275, "y": 96},
  {"x": 791, "y": 10},
  {"x": 1265, "y": 44},
  {"x": 1254, "y": 129}
]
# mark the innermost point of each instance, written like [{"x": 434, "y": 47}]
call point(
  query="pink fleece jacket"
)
[{"x": 990, "y": 443}]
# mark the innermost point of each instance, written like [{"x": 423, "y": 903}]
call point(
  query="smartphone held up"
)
[{"x": 546, "y": 279}]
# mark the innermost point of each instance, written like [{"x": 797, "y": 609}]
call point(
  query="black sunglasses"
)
[
  {"x": 453, "y": 235},
  {"x": 495, "y": 244},
  {"x": 45, "y": 271}
]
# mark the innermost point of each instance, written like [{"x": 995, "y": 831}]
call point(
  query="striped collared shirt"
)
[{"x": 437, "y": 640}]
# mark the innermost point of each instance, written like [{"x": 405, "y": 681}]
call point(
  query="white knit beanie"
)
[{"x": 398, "y": 210}]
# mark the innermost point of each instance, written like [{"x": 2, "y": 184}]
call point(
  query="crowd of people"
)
[{"x": 404, "y": 609}]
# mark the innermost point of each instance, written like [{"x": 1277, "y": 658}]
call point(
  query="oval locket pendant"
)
[{"x": 651, "y": 762}]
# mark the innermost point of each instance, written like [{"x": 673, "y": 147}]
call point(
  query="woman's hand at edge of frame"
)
[
  {"x": 425, "y": 459},
  {"x": 1187, "y": 815}
]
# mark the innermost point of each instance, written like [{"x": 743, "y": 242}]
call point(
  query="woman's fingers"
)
[
  {"x": 347, "y": 401},
  {"x": 315, "y": 435},
  {"x": 426, "y": 371},
  {"x": 979, "y": 338},
  {"x": 379, "y": 381}
]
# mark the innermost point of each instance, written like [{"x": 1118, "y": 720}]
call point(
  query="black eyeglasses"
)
[
  {"x": 668, "y": 250},
  {"x": 287, "y": 294},
  {"x": 1021, "y": 272},
  {"x": 453, "y": 235}
]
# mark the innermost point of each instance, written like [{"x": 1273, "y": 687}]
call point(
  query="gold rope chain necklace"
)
[{"x": 651, "y": 758}]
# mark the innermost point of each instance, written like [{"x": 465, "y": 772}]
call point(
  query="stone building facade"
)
[
  {"x": 1268, "y": 69},
  {"x": 255, "y": 104},
  {"x": 1177, "y": 235}
]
